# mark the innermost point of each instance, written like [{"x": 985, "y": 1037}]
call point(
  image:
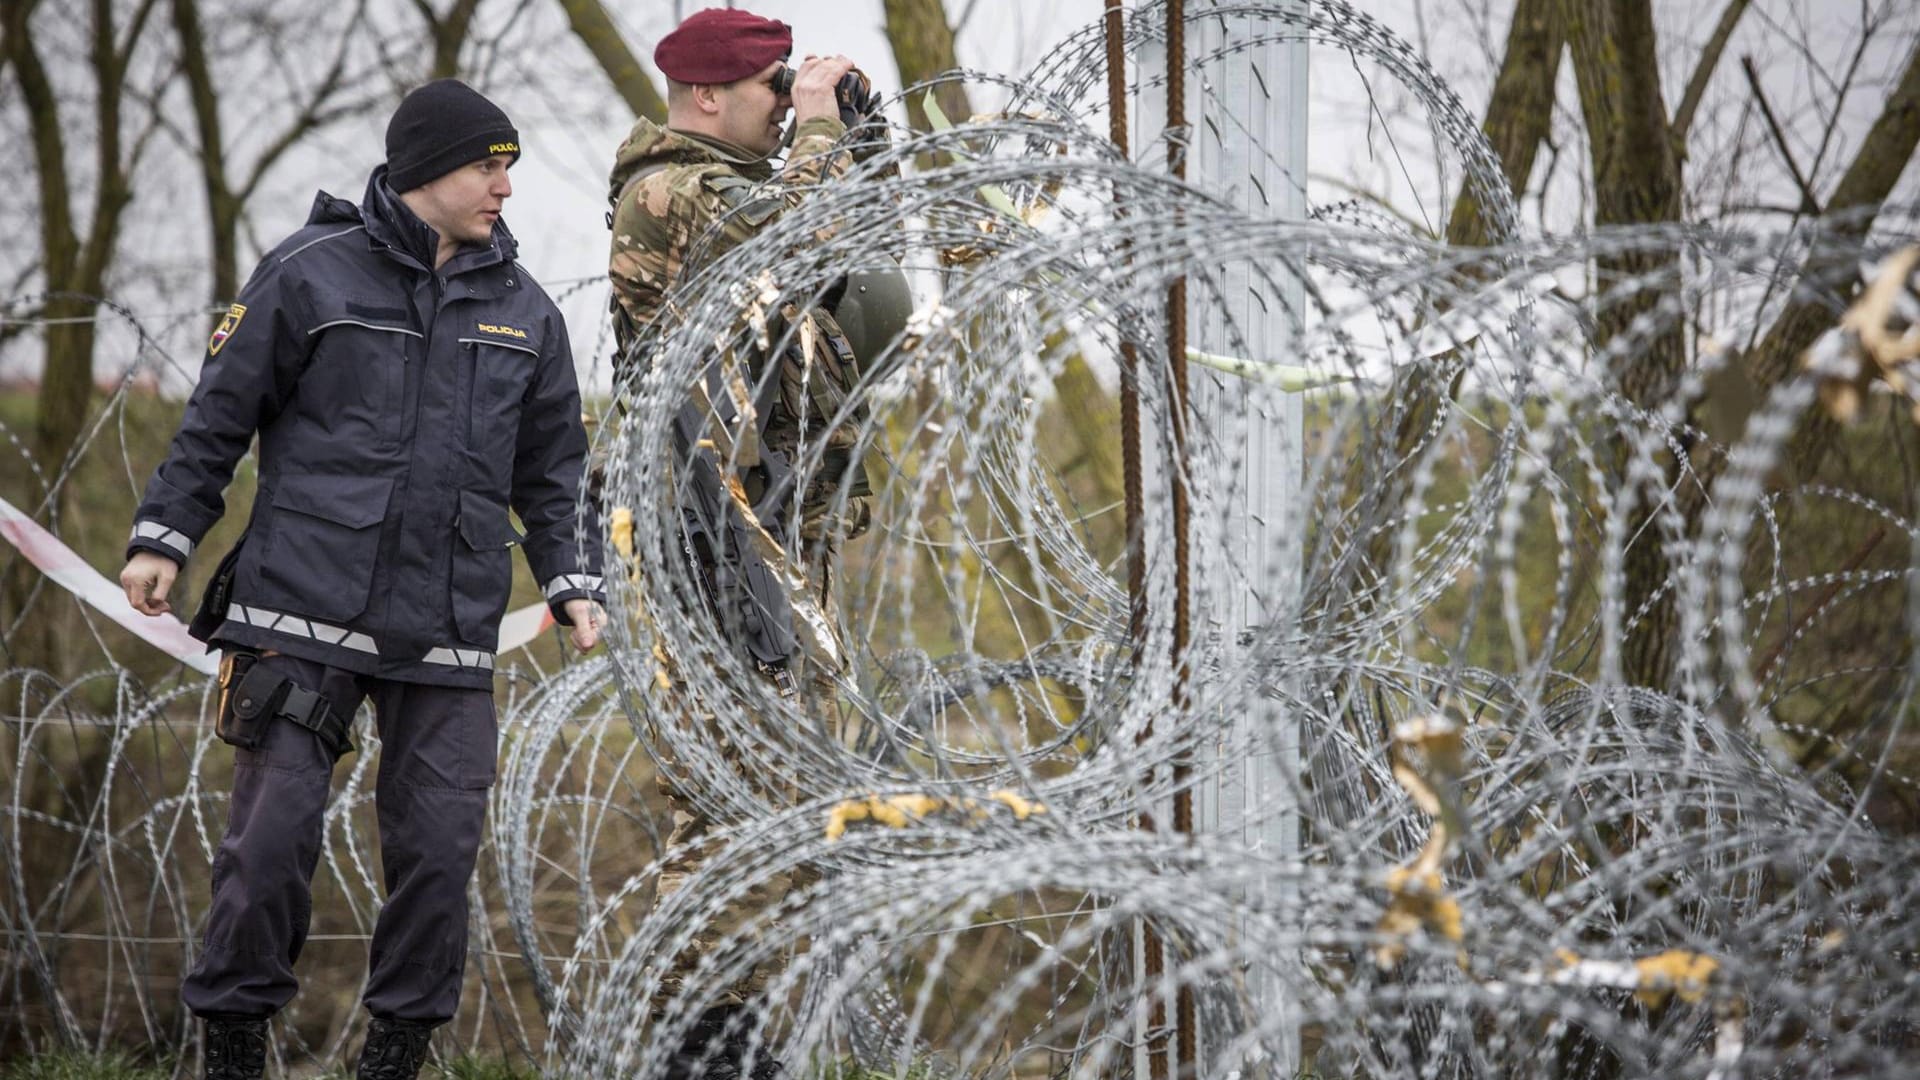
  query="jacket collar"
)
[
  {"x": 649, "y": 144},
  {"x": 393, "y": 227}
]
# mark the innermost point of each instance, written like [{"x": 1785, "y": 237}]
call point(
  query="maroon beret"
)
[{"x": 722, "y": 45}]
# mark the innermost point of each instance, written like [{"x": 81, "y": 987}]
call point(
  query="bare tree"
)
[
  {"x": 596, "y": 30},
  {"x": 75, "y": 262},
  {"x": 923, "y": 47},
  {"x": 1518, "y": 118},
  {"x": 447, "y": 32},
  {"x": 229, "y": 184},
  {"x": 1637, "y": 180}
]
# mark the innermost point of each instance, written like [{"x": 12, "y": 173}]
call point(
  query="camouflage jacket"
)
[
  {"x": 657, "y": 220},
  {"x": 686, "y": 185}
]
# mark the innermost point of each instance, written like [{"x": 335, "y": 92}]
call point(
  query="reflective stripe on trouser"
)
[{"x": 437, "y": 759}]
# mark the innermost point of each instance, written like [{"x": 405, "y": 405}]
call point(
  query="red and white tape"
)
[{"x": 65, "y": 568}]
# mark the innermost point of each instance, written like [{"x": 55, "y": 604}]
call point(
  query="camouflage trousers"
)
[
  {"x": 822, "y": 533},
  {"x": 691, "y": 838},
  {"x": 693, "y": 845}
]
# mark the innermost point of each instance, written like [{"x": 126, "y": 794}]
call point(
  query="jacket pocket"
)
[
  {"x": 322, "y": 544},
  {"x": 499, "y": 377},
  {"x": 482, "y": 573},
  {"x": 354, "y": 388}
]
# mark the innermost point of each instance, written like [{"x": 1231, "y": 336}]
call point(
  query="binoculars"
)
[{"x": 853, "y": 89}]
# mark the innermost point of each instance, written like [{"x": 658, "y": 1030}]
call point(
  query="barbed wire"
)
[{"x": 1443, "y": 835}]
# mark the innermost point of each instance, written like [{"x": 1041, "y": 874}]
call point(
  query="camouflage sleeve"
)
[
  {"x": 651, "y": 235},
  {"x": 812, "y": 158},
  {"x": 658, "y": 223},
  {"x": 811, "y": 161}
]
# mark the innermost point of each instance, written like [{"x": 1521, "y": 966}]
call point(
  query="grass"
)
[
  {"x": 81, "y": 1065},
  {"x": 844, "y": 1070},
  {"x": 120, "y": 1065},
  {"x": 478, "y": 1068}
]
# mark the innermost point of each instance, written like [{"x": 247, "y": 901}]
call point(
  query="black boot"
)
[
  {"x": 236, "y": 1048},
  {"x": 716, "y": 1048},
  {"x": 395, "y": 1050}
]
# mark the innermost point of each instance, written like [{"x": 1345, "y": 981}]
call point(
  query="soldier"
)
[
  {"x": 726, "y": 101},
  {"x": 705, "y": 181},
  {"x": 408, "y": 382}
]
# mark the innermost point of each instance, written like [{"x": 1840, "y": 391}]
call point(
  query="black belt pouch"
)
[{"x": 250, "y": 695}]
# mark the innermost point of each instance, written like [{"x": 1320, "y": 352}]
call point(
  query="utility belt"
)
[{"x": 251, "y": 697}]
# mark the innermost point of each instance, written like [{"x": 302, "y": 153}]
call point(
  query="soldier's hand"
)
[
  {"x": 586, "y": 617},
  {"x": 813, "y": 85},
  {"x": 870, "y": 135},
  {"x": 148, "y": 578}
]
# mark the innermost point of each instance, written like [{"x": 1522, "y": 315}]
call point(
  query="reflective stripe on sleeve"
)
[
  {"x": 162, "y": 534},
  {"x": 366, "y": 326},
  {"x": 575, "y": 582}
]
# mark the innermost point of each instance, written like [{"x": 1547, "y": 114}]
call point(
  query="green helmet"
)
[{"x": 873, "y": 309}]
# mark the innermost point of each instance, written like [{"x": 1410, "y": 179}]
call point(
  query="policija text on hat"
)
[{"x": 409, "y": 382}]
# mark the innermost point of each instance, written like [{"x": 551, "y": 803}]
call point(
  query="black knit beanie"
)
[{"x": 440, "y": 127}]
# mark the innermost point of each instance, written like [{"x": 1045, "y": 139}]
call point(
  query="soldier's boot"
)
[
  {"x": 395, "y": 1050},
  {"x": 236, "y": 1048},
  {"x": 717, "y": 1047}
]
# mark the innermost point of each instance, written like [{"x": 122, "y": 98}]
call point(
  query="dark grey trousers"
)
[{"x": 437, "y": 759}]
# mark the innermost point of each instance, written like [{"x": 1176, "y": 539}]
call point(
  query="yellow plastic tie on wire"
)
[
  {"x": 1677, "y": 972},
  {"x": 621, "y": 528},
  {"x": 894, "y": 811},
  {"x": 1427, "y": 761},
  {"x": 900, "y": 811},
  {"x": 1022, "y": 808}
]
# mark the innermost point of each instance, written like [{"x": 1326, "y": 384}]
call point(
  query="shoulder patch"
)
[{"x": 226, "y": 328}]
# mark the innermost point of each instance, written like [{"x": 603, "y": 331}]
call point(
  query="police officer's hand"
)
[
  {"x": 148, "y": 578},
  {"x": 813, "y": 87},
  {"x": 586, "y": 618}
]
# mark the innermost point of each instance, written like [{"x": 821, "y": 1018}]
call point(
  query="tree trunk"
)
[
  {"x": 75, "y": 271},
  {"x": 595, "y": 29},
  {"x": 1519, "y": 116},
  {"x": 1520, "y": 112},
  {"x": 449, "y": 36},
  {"x": 223, "y": 209},
  {"x": 922, "y": 40},
  {"x": 1636, "y": 181}
]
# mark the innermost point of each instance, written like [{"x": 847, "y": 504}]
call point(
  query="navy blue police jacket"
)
[{"x": 401, "y": 411}]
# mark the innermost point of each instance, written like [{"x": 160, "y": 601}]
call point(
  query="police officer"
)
[{"x": 409, "y": 383}]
